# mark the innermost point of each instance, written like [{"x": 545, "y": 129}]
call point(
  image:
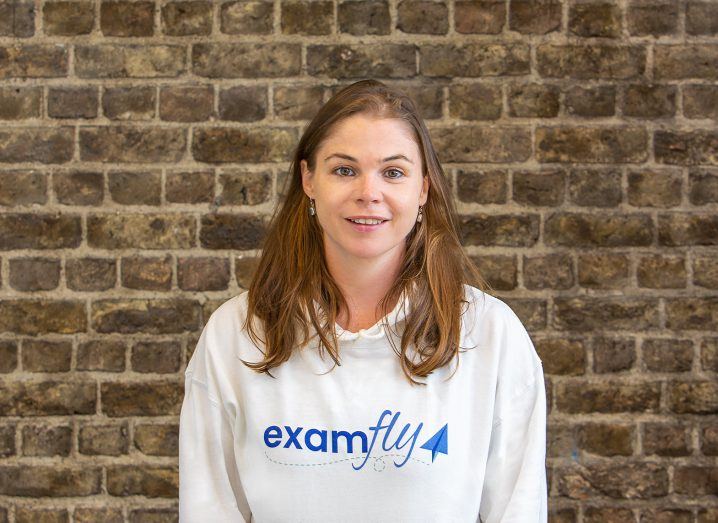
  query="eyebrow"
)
[{"x": 388, "y": 159}]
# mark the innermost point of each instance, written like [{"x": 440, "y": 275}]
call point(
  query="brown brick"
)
[
  {"x": 591, "y": 101},
  {"x": 8, "y": 356},
  {"x": 607, "y": 515},
  {"x": 562, "y": 356},
  {"x": 135, "y": 188},
  {"x": 154, "y": 515},
  {"x": 535, "y": 16},
  {"x": 475, "y": 101},
  {"x": 358, "y": 61},
  {"x": 582, "y": 62},
  {"x": 487, "y": 17},
  {"x": 561, "y": 440},
  {"x": 594, "y": 187},
  {"x": 589, "y": 313},
  {"x": 687, "y": 229},
  {"x": 661, "y": 272},
  {"x": 142, "y": 231},
  {"x": 685, "y": 61},
  {"x": 151, "y": 316},
  {"x": 129, "y": 103},
  {"x": 148, "y": 398},
  {"x": 486, "y": 186},
  {"x": 193, "y": 103},
  {"x": 545, "y": 188},
  {"x": 669, "y": 515},
  {"x": 189, "y": 186},
  {"x": 246, "y": 60},
  {"x": 654, "y": 188},
  {"x": 429, "y": 100},
  {"x": 102, "y": 354},
  {"x": 692, "y": 313},
  {"x": 161, "y": 357},
  {"x": 307, "y": 18},
  {"x": 42, "y": 440},
  {"x": 709, "y": 440},
  {"x": 474, "y": 60},
  {"x": 606, "y": 439},
  {"x": 22, "y": 188},
  {"x": 591, "y": 145},
  {"x": 598, "y": 230},
  {"x": 696, "y": 480},
  {"x": 34, "y": 317},
  {"x": 703, "y": 187},
  {"x": 694, "y": 397},
  {"x": 595, "y": 19},
  {"x": 243, "y": 103},
  {"x": 701, "y": 18},
  {"x": 34, "y": 61},
  {"x": 203, "y": 274},
  {"x": 36, "y": 144},
  {"x": 244, "y": 188},
  {"x": 562, "y": 515},
  {"x": 645, "y": 18},
  {"x": 68, "y": 18},
  {"x": 617, "y": 481},
  {"x": 52, "y": 481},
  {"x": 7, "y": 441},
  {"x": 613, "y": 354},
  {"x": 47, "y": 398},
  {"x": 34, "y": 274},
  {"x": 17, "y": 19},
  {"x": 219, "y": 145},
  {"x": 705, "y": 271},
  {"x": 105, "y": 440},
  {"x": 576, "y": 397},
  {"x": 506, "y": 229},
  {"x": 300, "y": 102},
  {"x": 157, "y": 440},
  {"x": 72, "y": 102},
  {"x": 140, "y": 272},
  {"x": 709, "y": 354},
  {"x": 492, "y": 144},
  {"x": 700, "y": 101},
  {"x": 129, "y": 61},
  {"x": 90, "y": 274},
  {"x": 246, "y": 17},
  {"x": 46, "y": 356},
  {"x": 187, "y": 18},
  {"x": 707, "y": 515},
  {"x": 119, "y": 18},
  {"x": 550, "y": 271},
  {"x": 533, "y": 100},
  {"x": 364, "y": 17},
  {"x": 18, "y": 103},
  {"x": 33, "y": 515},
  {"x": 531, "y": 312},
  {"x": 666, "y": 439},
  {"x": 422, "y": 17},
  {"x": 132, "y": 145},
  {"x": 97, "y": 514},
  {"x": 231, "y": 231},
  {"x": 499, "y": 271},
  {"x": 649, "y": 101},
  {"x": 78, "y": 187}
]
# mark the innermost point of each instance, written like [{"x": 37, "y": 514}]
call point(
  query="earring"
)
[
  {"x": 421, "y": 216},
  {"x": 312, "y": 210}
]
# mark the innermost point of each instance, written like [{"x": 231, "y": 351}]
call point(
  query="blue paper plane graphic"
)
[{"x": 438, "y": 442}]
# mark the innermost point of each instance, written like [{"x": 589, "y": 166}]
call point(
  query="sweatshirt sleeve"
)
[
  {"x": 515, "y": 486},
  {"x": 210, "y": 487}
]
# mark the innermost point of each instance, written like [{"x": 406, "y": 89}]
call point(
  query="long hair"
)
[{"x": 292, "y": 273}]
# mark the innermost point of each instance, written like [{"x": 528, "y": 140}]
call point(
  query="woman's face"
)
[{"x": 367, "y": 166}]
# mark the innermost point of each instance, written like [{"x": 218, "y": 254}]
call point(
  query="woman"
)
[{"x": 373, "y": 382}]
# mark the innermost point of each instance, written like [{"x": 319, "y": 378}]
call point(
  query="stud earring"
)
[
  {"x": 312, "y": 210},
  {"x": 421, "y": 216}
]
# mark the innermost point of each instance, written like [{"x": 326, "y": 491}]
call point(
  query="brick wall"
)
[{"x": 141, "y": 147}]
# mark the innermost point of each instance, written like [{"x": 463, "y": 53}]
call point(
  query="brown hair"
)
[{"x": 292, "y": 272}]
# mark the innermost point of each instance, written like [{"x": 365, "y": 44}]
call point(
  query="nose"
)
[{"x": 368, "y": 188}]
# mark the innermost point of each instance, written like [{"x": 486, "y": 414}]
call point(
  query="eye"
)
[
  {"x": 339, "y": 169},
  {"x": 401, "y": 174}
]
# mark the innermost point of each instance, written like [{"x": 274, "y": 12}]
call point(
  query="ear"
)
[
  {"x": 307, "y": 179},
  {"x": 424, "y": 190}
]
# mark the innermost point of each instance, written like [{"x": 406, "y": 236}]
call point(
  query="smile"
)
[{"x": 365, "y": 227}]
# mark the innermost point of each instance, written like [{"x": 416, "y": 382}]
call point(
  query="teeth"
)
[{"x": 367, "y": 221}]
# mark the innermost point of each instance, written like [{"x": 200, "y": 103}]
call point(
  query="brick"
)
[
  {"x": 652, "y": 18},
  {"x": 654, "y": 188},
  {"x": 78, "y": 187},
  {"x": 506, "y": 229},
  {"x": 47, "y": 398},
  {"x": 562, "y": 515},
  {"x": 499, "y": 271},
  {"x": 39, "y": 231},
  {"x": 119, "y": 18},
  {"x": 700, "y": 101},
  {"x": 598, "y": 230},
  {"x": 95, "y": 514},
  {"x": 359, "y": 61},
  {"x": 51, "y": 481},
  {"x": 666, "y": 439},
  {"x": 692, "y": 313},
  {"x": 7, "y": 441},
  {"x": 583, "y": 62},
  {"x": 46, "y": 441},
  {"x": 703, "y": 187},
  {"x": 595, "y": 19},
  {"x": 533, "y": 101},
  {"x": 561, "y": 440},
  {"x": 203, "y": 274},
  {"x": 68, "y": 18},
  {"x": 28, "y": 515},
  {"x": 246, "y": 60},
  {"x": 154, "y": 515},
  {"x": 474, "y": 60},
  {"x": 102, "y": 354},
  {"x": 701, "y": 18},
  {"x": 90, "y": 274},
  {"x": 243, "y": 103},
  {"x": 491, "y": 144},
  {"x": 140, "y": 272},
  {"x": 617, "y": 481},
  {"x": 129, "y": 61},
  {"x": 591, "y": 102},
  {"x": 18, "y": 19},
  {"x": 649, "y": 101},
  {"x": 148, "y": 398},
  {"x": 104, "y": 440},
  {"x": 562, "y": 356},
  {"x": 18, "y": 103},
  {"x": 706, "y": 515},
  {"x": 306, "y": 18},
  {"x": 151, "y": 316},
  {"x": 231, "y": 231},
  {"x": 475, "y": 101},
  {"x": 34, "y": 274},
  {"x": 25, "y": 187},
  {"x": 687, "y": 229},
  {"x": 486, "y": 17},
  {"x": 242, "y": 145},
  {"x": 693, "y": 397},
  {"x": 678, "y": 62},
  {"x": 189, "y": 187},
  {"x": 132, "y": 145},
  {"x": 705, "y": 271},
  {"x": 34, "y": 61},
  {"x": 72, "y": 102},
  {"x": 591, "y": 145},
  {"x": 709, "y": 440},
  {"x": 246, "y": 17},
  {"x": 194, "y": 103},
  {"x": 595, "y": 187},
  {"x": 607, "y": 515},
  {"x": 606, "y": 439},
  {"x": 34, "y": 317},
  {"x": 485, "y": 186},
  {"x": 667, "y": 515},
  {"x": 550, "y": 271},
  {"x": 157, "y": 439},
  {"x": 613, "y": 354},
  {"x": 364, "y": 17},
  {"x": 36, "y": 144},
  {"x": 161, "y": 357},
  {"x": 574, "y": 397},
  {"x": 141, "y": 231},
  {"x": 8, "y": 356},
  {"x": 661, "y": 272},
  {"x": 192, "y": 18},
  {"x": 535, "y": 16},
  {"x": 531, "y": 312},
  {"x": 422, "y": 17},
  {"x": 244, "y": 269},
  {"x": 298, "y": 102},
  {"x": 696, "y": 480},
  {"x": 596, "y": 313},
  {"x": 545, "y": 188},
  {"x": 135, "y": 188},
  {"x": 46, "y": 356},
  {"x": 244, "y": 188},
  {"x": 129, "y": 103},
  {"x": 709, "y": 354}
]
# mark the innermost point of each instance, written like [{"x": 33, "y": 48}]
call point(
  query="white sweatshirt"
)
[{"x": 359, "y": 443}]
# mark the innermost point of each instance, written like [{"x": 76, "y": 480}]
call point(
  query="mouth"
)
[{"x": 365, "y": 227}]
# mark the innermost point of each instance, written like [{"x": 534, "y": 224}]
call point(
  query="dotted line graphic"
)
[{"x": 379, "y": 463}]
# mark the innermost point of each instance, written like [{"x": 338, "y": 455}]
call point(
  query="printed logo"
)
[{"x": 359, "y": 441}]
